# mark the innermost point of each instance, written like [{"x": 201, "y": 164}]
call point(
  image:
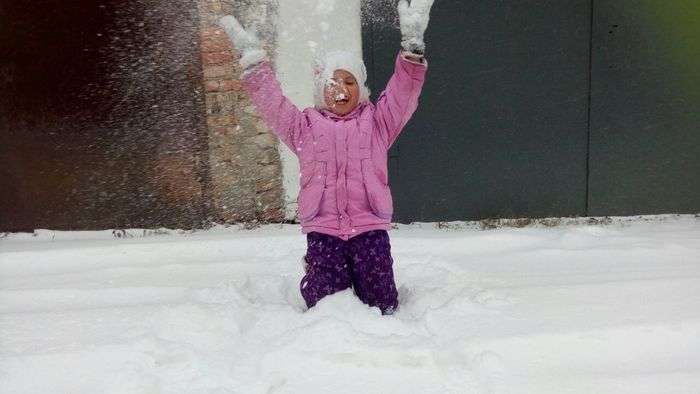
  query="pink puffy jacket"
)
[{"x": 343, "y": 159}]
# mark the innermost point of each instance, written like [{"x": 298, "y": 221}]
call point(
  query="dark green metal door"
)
[
  {"x": 538, "y": 108},
  {"x": 645, "y": 108}
]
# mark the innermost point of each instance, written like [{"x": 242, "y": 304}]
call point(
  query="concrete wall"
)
[{"x": 305, "y": 27}]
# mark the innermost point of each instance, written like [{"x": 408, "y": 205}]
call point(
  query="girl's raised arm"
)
[
  {"x": 280, "y": 115},
  {"x": 399, "y": 100}
]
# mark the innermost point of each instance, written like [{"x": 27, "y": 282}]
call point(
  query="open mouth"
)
[{"x": 341, "y": 98}]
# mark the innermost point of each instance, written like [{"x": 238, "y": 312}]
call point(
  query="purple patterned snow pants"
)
[{"x": 363, "y": 262}]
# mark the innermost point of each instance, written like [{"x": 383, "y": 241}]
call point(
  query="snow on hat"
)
[{"x": 338, "y": 60}]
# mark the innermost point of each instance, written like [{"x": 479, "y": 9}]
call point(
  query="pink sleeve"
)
[
  {"x": 400, "y": 98},
  {"x": 280, "y": 115}
]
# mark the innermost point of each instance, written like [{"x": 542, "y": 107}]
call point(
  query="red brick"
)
[
  {"x": 220, "y": 131},
  {"x": 211, "y": 86},
  {"x": 213, "y": 6},
  {"x": 221, "y": 120},
  {"x": 214, "y": 40},
  {"x": 217, "y": 72},
  {"x": 228, "y": 85},
  {"x": 210, "y": 33},
  {"x": 217, "y": 57}
]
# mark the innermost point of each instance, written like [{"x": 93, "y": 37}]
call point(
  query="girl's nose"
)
[{"x": 340, "y": 88}]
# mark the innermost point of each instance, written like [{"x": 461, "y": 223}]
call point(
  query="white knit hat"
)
[{"x": 324, "y": 67}]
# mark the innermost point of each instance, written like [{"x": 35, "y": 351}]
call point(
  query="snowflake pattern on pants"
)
[{"x": 363, "y": 262}]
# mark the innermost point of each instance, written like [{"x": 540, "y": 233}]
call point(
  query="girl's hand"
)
[
  {"x": 246, "y": 41},
  {"x": 414, "y": 20}
]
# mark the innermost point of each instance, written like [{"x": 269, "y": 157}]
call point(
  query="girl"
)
[{"x": 344, "y": 205}]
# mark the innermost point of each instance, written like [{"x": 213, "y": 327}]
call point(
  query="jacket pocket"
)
[
  {"x": 313, "y": 184},
  {"x": 378, "y": 193}
]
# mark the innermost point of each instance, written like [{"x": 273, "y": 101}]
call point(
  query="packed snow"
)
[{"x": 606, "y": 308}]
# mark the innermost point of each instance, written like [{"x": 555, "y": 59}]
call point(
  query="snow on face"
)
[
  {"x": 341, "y": 92},
  {"x": 340, "y": 72}
]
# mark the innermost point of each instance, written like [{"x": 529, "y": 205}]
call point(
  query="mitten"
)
[
  {"x": 414, "y": 20},
  {"x": 246, "y": 41}
]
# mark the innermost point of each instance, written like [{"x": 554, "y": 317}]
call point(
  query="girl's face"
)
[{"x": 341, "y": 93}]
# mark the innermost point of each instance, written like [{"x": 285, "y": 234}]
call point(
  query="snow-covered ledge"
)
[{"x": 303, "y": 28}]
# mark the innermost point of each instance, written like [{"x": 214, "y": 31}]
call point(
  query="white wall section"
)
[{"x": 306, "y": 27}]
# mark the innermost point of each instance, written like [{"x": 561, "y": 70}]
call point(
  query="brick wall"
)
[
  {"x": 244, "y": 164},
  {"x": 118, "y": 115}
]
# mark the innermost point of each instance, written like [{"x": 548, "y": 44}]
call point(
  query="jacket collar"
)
[{"x": 351, "y": 115}]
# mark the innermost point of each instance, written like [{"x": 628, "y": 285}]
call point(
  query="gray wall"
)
[{"x": 549, "y": 108}]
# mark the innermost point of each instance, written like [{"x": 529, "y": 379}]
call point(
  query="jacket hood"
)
[{"x": 326, "y": 64}]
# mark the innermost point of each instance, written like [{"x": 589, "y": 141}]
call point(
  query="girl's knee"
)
[
  {"x": 320, "y": 282},
  {"x": 379, "y": 292}
]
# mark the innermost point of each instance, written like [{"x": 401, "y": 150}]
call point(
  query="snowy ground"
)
[{"x": 572, "y": 309}]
